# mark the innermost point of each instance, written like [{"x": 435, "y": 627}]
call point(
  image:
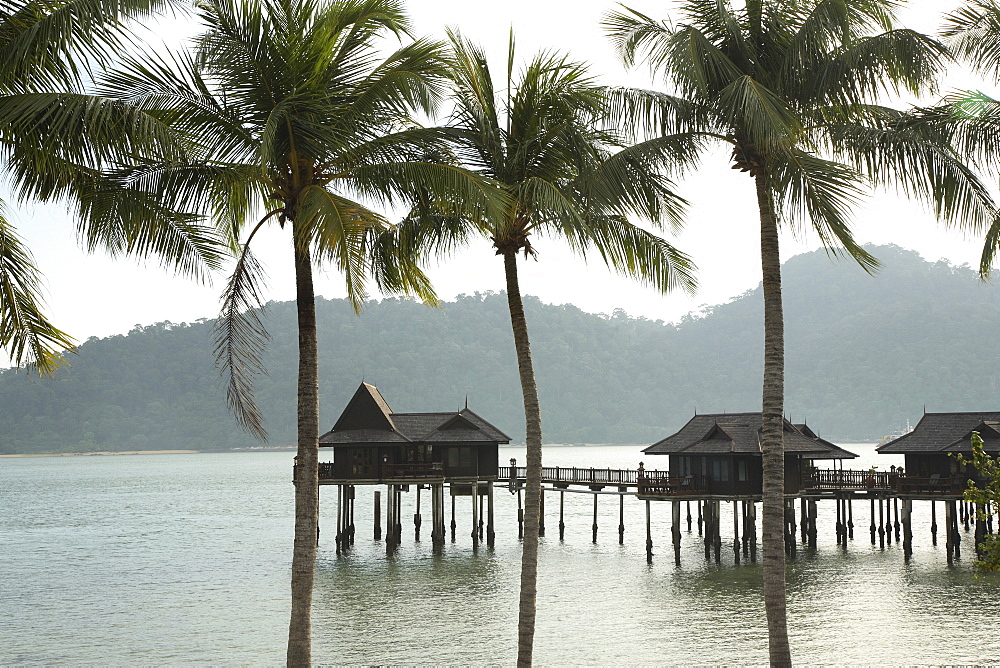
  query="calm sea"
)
[{"x": 166, "y": 559}]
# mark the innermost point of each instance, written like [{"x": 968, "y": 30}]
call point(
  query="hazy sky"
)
[{"x": 90, "y": 295}]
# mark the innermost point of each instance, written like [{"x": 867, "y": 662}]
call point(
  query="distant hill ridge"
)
[{"x": 864, "y": 354}]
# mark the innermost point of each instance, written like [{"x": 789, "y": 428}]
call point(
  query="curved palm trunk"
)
[
  {"x": 772, "y": 445},
  {"x": 307, "y": 468},
  {"x": 533, "y": 441}
]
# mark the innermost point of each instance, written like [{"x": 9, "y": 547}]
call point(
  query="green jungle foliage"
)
[
  {"x": 986, "y": 496},
  {"x": 864, "y": 355}
]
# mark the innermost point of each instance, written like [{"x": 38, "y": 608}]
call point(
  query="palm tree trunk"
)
[
  {"x": 533, "y": 441},
  {"x": 307, "y": 463},
  {"x": 772, "y": 431}
]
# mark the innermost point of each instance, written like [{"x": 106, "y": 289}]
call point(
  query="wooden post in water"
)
[
  {"x": 481, "y": 514},
  {"x": 850, "y": 517},
  {"x": 949, "y": 534},
  {"x": 965, "y": 513},
  {"x": 562, "y": 524},
  {"x": 435, "y": 518},
  {"x": 490, "y": 529},
  {"x": 736, "y": 531},
  {"x": 717, "y": 538},
  {"x": 354, "y": 494},
  {"x": 792, "y": 526},
  {"x": 378, "y": 515},
  {"x": 649, "y": 537},
  {"x": 621, "y": 518},
  {"x": 594, "y": 526},
  {"x": 840, "y": 526},
  {"x": 753, "y": 531},
  {"x": 475, "y": 514},
  {"x": 907, "y": 529},
  {"x": 707, "y": 538},
  {"x": 701, "y": 518},
  {"x": 881, "y": 524},
  {"x": 688, "y": 515},
  {"x": 339, "y": 534},
  {"x": 399, "y": 515},
  {"x": 957, "y": 539},
  {"x": 390, "y": 524},
  {"x": 873, "y": 520},
  {"x": 888, "y": 522},
  {"x": 541, "y": 512},
  {"x": 805, "y": 518},
  {"x": 453, "y": 525},
  {"x": 895, "y": 517},
  {"x": 675, "y": 530},
  {"x": 933, "y": 522},
  {"x": 746, "y": 529},
  {"x": 417, "y": 520},
  {"x": 520, "y": 516},
  {"x": 813, "y": 528}
]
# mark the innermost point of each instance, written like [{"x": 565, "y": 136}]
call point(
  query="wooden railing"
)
[
  {"x": 393, "y": 471},
  {"x": 851, "y": 479},
  {"x": 652, "y": 484},
  {"x": 935, "y": 484},
  {"x": 572, "y": 474}
]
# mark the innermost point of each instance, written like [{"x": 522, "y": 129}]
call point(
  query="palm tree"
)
[
  {"x": 53, "y": 137},
  {"x": 288, "y": 115},
  {"x": 791, "y": 87},
  {"x": 540, "y": 140}
]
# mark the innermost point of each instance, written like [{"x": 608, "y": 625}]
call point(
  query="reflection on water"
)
[{"x": 185, "y": 558}]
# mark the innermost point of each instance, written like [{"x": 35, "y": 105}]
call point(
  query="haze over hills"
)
[{"x": 863, "y": 355}]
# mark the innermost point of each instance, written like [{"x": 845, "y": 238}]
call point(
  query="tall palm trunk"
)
[
  {"x": 533, "y": 441},
  {"x": 772, "y": 430},
  {"x": 307, "y": 468}
]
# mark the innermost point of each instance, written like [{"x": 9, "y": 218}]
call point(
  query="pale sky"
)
[{"x": 90, "y": 295}]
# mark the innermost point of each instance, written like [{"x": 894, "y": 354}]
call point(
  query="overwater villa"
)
[{"x": 719, "y": 454}]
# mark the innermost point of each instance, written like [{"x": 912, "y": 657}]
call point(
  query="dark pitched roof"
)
[
  {"x": 947, "y": 432},
  {"x": 367, "y": 419},
  {"x": 739, "y": 433}
]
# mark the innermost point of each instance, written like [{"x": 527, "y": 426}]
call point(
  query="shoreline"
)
[{"x": 104, "y": 453}]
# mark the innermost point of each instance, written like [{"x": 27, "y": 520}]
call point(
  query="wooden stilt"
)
[
  {"x": 417, "y": 520},
  {"x": 707, "y": 539},
  {"x": 482, "y": 519},
  {"x": 840, "y": 525},
  {"x": 354, "y": 494},
  {"x": 850, "y": 518},
  {"x": 594, "y": 526},
  {"x": 621, "y": 519},
  {"x": 688, "y": 503},
  {"x": 475, "y": 514},
  {"x": 701, "y": 519},
  {"x": 753, "y": 532},
  {"x": 520, "y": 516},
  {"x": 957, "y": 538},
  {"x": 399, "y": 515},
  {"x": 378, "y": 515},
  {"x": 873, "y": 520},
  {"x": 888, "y": 522},
  {"x": 390, "y": 522},
  {"x": 339, "y": 536},
  {"x": 804, "y": 514},
  {"x": 736, "y": 532},
  {"x": 453, "y": 524},
  {"x": 907, "y": 529},
  {"x": 933, "y": 522},
  {"x": 562, "y": 524},
  {"x": 541, "y": 513},
  {"x": 746, "y": 527},
  {"x": 649, "y": 537},
  {"x": 490, "y": 528},
  {"x": 980, "y": 535},
  {"x": 792, "y": 524},
  {"x": 895, "y": 518},
  {"x": 949, "y": 536},
  {"x": 675, "y": 530},
  {"x": 717, "y": 530},
  {"x": 813, "y": 528},
  {"x": 881, "y": 524}
]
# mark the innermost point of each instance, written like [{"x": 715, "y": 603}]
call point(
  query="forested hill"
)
[{"x": 864, "y": 354}]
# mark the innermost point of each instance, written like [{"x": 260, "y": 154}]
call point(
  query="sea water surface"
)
[{"x": 184, "y": 558}]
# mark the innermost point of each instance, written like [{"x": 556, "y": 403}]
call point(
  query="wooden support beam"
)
[
  {"x": 562, "y": 524},
  {"x": 541, "y": 512},
  {"x": 649, "y": 537},
  {"x": 949, "y": 536},
  {"x": 453, "y": 525},
  {"x": 688, "y": 514},
  {"x": 520, "y": 516},
  {"x": 339, "y": 536},
  {"x": 378, "y": 515},
  {"x": 621, "y": 519},
  {"x": 753, "y": 532},
  {"x": 475, "y": 515},
  {"x": 933, "y": 522},
  {"x": 736, "y": 532},
  {"x": 873, "y": 520},
  {"x": 895, "y": 518},
  {"x": 813, "y": 528},
  {"x": 701, "y": 519},
  {"x": 594, "y": 526},
  {"x": 881, "y": 524},
  {"x": 850, "y": 518},
  {"x": 354, "y": 494},
  {"x": 490, "y": 530},
  {"x": 675, "y": 530},
  {"x": 907, "y": 529},
  {"x": 417, "y": 520},
  {"x": 717, "y": 532}
]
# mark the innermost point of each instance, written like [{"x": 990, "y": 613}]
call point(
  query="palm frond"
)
[
  {"x": 25, "y": 331},
  {"x": 240, "y": 339}
]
